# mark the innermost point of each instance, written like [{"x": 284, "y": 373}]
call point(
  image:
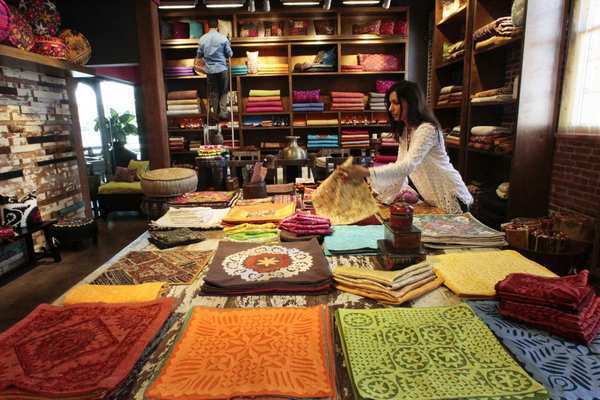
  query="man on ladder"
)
[{"x": 214, "y": 50}]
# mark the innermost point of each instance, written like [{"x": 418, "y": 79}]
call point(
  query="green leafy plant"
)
[{"x": 120, "y": 126}]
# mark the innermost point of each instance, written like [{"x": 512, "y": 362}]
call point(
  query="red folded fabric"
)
[
  {"x": 582, "y": 327},
  {"x": 567, "y": 293},
  {"x": 346, "y": 108},
  {"x": 348, "y": 94},
  {"x": 354, "y": 131},
  {"x": 263, "y": 98},
  {"x": 385, "y": 159},
  {"x": 263, "y": 109},
  {"x": 265, "y": 104},
  {"x": 348, "y": 100}
]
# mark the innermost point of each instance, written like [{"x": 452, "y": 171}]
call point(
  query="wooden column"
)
[
  {"x": 78, "y": 146},
  {"x": 153, "y": 102}
]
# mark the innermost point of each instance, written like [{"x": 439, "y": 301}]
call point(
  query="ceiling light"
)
[
  {"x": 386, "y": 4},
  {"x": 326, "y": 4},
  {"x": 224, "y": 3},
  {"x": 301, "y": 2},
  {"x": 360, "y": 2},
  {"x": 251, "y": 6},
  {"x": 177, "y": 4},
  {"x": 267, "y": 6}
]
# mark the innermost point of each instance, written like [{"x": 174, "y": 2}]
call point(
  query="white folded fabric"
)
[{"x": 192, "y": 217}]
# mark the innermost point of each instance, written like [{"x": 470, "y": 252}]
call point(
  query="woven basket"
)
[{"x": 169, "y": 182}]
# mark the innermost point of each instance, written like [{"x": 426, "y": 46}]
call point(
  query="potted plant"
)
[{"x": 119, "y": 127}]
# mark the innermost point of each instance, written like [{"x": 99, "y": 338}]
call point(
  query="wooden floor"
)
[{"x": 24, "y": 289}]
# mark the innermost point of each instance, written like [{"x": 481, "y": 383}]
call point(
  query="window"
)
[{"x": 581, "y": 92}]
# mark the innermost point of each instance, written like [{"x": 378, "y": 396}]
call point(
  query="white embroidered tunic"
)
[{"x": 422, "y": 157}]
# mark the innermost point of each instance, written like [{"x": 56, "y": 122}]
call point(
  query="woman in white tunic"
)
[{"x": 422, "y": 155}]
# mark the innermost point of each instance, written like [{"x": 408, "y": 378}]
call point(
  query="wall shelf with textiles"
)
[
  {"x": 477, "y": 53},
  {"x": 299, "y": 49}
]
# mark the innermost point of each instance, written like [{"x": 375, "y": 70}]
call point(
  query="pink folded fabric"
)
[
  {"x": 263, "y": 98},
  {"x": 265, "y": 104},
  {"x": 263, "y": 109},
  {"x": 385, "y": 159},
  {"x": 355, "y": 132},
  {"x": 347, "y": 94},
  {"x": 353, "y": 68}
]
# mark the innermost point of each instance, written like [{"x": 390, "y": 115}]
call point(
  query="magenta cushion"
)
[
  {"x": 4, "y": 20},
  {"x": 379, "y": 62},
  {"x": 382, "y": 86},
  {"x": 306, "y": 96}
]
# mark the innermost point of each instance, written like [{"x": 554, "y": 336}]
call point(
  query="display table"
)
[{"x": 188, "y": 297}]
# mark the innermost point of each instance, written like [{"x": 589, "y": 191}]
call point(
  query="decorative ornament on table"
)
[
  {"x": 50, "y": 46},
  {"x": 4, "y": 20},
  {"x": 21, "y": 212},
  {"x": 42, "y": 15},
  {"x": 79, "y": 50},
  {"x": 20, "y": 34}
]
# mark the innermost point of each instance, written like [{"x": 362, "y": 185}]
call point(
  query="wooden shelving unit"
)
[
  {"x": 291, "y": 50},
  {"x": 495, "y": 67}
]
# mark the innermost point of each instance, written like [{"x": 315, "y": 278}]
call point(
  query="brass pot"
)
[{"x": 293, "y": 151}]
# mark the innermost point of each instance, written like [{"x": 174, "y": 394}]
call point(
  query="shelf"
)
[
  {"x": 453, "y": 18},
  {"x": 174, "y": 78},
  {"x": 317, "y": 127},
  {"x": 489, "y": 153},
  {"x": 498, "y": 46},
  {"x": 372, "y": 73},
  {"x": 494, "y": 103},
  {"x": 266, "y": 113},
  {"x": 264, "y": 128},
  {"x": 450, "y": 63},
  {"x": 261, "y": 75},
  {"x": 314, "y": 73},
  {"x": 11, "y": 56}
]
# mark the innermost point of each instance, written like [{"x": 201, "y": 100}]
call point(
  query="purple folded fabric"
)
[{"x": 306, "y": 96}]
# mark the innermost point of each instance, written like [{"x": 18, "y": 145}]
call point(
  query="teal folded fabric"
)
[{"x": 353, "y": 239}]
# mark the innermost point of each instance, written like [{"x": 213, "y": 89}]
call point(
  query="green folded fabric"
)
[
  {"x": 264, "y": 235},
  {"x": 429, "y": 353},
  {"x": 263, "y": 93}
]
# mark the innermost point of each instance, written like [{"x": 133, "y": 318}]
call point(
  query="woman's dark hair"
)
[
  {"x": 418, "y": 109},
  {"x": 213, "y": 23}
]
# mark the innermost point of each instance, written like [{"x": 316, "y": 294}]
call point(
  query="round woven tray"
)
[{"x": 169, "y": 182}]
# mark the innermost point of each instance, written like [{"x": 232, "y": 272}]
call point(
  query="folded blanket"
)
[
  {"x": 499, "y": 98},
  {"x": 263, "y": 98},
  {"x": 263, "y": 93},
  {"x": 182, "y": 95},
  {"x": 312, "y": 136},
  {"x": 316, "y": 122},
  {"x": 493, "y": 92},
  {"x": 495, "y": 41},
  {"x": 450, "y": 89},
  {"x": 114, "y": 293},
  {"x": 263, "y": 109},
  {"x": 351, "y": 68},
  {"x": 273, "y": 103},
  {"x": 348, "y": 94},
  {"x": 182, "y": 102},
  {"x": 485, "y": 130}
]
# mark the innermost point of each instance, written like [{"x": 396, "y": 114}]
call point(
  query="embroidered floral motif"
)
[{"x": 267, "y": 262}]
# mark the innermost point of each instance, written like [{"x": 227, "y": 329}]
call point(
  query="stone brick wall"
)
[{"x": 36, "y": 146}]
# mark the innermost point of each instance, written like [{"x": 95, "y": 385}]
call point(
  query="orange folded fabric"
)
[{"x": 233, "y": 353}]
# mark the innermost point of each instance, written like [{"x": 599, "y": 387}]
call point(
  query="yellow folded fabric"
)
[
  {"x": 114, "y": 293},
  {"x": 120, "y": 187},
  {"x": 263, "y": 93},
  {"x": 260, "y": 213},
  {"x": 249, "y": 228},
  {"x": 372, "y": 285},
  {"x": 475, "y": 274},
  {"x": 387, "y": 278},
  {"x": 387, "y": 299}
]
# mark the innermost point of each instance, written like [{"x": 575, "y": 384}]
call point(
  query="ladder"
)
[{"x": 216, "y": 128}]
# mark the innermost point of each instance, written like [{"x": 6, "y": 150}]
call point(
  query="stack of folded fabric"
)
[
  {"x": 377, "y": 101},
  {"x": 321, "y": 120},
  {"x": 354, "y": 240},
  {"x": 430, "y": 353},
  {"x": 316, "y": 141},
  {"x": 192, "y": 217},
  {"x": 382, "y": 159},
  {"x": 245, "y": 269},
  {"x": 205, "y": 199},
  {"x": 454, "y": 136},
  {"x": 450, "y": 231},
  {"x": 389, "y": 287},
  {"x": 239, "y": 69},
  {"x": 388, "y": 139},
  {"x": 178, "y": 71},
  {"x": 484, "y": 137},
  {"x": 503, "y": 94},
  {"x": 307, "y": 101},
  {"x": 106, "y": 345},
  {"x": 347, "y": 101},
  {"x": 264, "y": 101},
  {"x": 565, "y": 306},
  {"x": 353, "y": 68},
  {"x": 176, "y": 143},
  {"x": 453, "y": 51},
  {"x": 212, "y": 151},
  {"x": 255, "y": 233},
  {"x": 305, "y": 224},
  {"x": 183, "y": 102},
  {"x": 355, "y": 138},
  {"x": 496, "y": 33},
  {"x": 450, "y": 95},
  {"x": 273, "y": 68},
  {"x": 195, "y": 144}
]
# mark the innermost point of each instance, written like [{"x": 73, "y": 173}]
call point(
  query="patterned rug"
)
[
  {"x": 79, "y": 350},
  {"x": 429, "y": 353},
  {"x": 568, "y": 370},
  {"x": 233, "y": 353},
  {"x": 173, "y": 267}
]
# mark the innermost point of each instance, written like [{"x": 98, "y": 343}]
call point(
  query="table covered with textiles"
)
[{"x": 435, "y": 346}]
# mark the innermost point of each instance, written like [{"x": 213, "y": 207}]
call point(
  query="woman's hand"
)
[{"x": 353, "y": 172}]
